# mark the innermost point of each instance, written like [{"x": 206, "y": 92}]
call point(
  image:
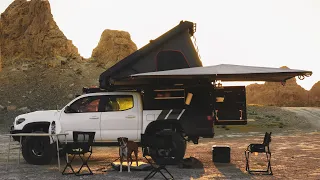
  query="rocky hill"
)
[
  {"x": 275, "y": 94},
  {"x": 29, "y": 33},
  {"x": 113, "y": 46},
  {"x": 315, "y": 94},
  {"x": 41, "y": 68}
]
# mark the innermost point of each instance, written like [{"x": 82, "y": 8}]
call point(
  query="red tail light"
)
[{"x": 209, "y": 118}]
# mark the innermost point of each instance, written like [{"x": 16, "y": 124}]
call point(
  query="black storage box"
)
[{"x": 221, "y": 154}]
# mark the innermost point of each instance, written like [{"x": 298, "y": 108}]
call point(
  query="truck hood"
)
[{"x": 37, "y": 116}]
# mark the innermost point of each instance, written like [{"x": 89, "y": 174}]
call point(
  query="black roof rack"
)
[{"x": 87, "y": 90}]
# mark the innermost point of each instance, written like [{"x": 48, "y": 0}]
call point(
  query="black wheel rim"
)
[
  {"x": 165, "y": 154},
  {"x": 168, "y": 154},
  {"x": 37, "y": 147}
]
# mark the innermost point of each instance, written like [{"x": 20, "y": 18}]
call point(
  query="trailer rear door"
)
[{"x": 230, "y": 106}]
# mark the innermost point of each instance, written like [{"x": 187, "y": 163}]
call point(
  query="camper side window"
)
[
  {"x": 163, "y": 94},
  {"x": 164, "y": 99}
]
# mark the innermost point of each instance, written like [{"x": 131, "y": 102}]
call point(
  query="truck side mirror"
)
[{"x": 68, "y": 110}]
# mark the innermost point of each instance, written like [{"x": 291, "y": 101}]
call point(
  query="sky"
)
[{"x": 270, "y": 33}]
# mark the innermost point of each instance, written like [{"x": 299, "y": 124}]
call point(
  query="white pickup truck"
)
[
  {"x": 108, "y": 114},
  {"x": 124, "y": 114}
]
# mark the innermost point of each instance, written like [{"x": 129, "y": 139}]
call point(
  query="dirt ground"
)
[
  {"x": 293, "y": 157},
  {"x": 310, "y": 113},
  {"x": 295, "y": 151}
]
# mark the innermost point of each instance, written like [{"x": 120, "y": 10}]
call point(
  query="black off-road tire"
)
[
  {"x": 37, "y": 150},
  {"x": 178, "y": 151}
]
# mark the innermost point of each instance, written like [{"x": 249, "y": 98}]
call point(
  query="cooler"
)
[{"x": 221, "y": 154}]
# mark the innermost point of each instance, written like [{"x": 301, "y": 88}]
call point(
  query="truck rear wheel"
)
[
  {"x": 176, "y": 154},
  {"x": 37, "y": 150}
]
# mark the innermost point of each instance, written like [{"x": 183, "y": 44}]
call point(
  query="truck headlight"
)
[{"x": 20, "y": 120}]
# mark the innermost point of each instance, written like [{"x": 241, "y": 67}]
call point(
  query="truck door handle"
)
[
  {"x": 130, "y": 117},
  {"x": 94, "y": 117}
]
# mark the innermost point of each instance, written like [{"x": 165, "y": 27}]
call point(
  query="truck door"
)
[
  {"x": 230, "y": 105},
  {"x": 120, "y": 118},
  {"x": 83, "y": 115}
]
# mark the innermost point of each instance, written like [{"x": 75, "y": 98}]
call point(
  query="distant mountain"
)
[
  {"x": 315, "y": 94},
  {"x": 275, "y": 94}
]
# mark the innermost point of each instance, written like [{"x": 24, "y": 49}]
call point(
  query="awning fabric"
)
[{"x": 228, "y": 72}]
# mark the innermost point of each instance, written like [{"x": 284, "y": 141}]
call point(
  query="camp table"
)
[{"x": 34, "y": 134}]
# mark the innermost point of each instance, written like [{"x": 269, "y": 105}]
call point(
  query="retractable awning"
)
[{"x": 228, "y": 72}]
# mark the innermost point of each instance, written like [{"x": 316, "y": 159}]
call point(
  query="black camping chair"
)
[
  {"x": 82, "y": 144},
  {"x": 260, "y": 148},
  {"x": 158, "y": 145}
]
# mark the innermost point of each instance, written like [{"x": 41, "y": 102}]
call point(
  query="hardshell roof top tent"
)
[
  {"x": 173, "y": 57},
  {"x": 172, "y": 50}
]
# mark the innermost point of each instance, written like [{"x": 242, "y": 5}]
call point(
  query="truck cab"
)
[{"x": 109, "y": 114}]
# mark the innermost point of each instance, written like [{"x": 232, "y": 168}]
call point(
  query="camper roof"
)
[{"x": 147, "y": 59}]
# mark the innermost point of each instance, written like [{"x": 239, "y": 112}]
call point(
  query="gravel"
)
[{"x": 294, "y": 156}]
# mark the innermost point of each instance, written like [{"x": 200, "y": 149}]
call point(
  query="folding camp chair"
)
[
  {"x": 260, "y": 148},
  {"x": 82, "y": 144},
  {"x": 156, "y": 146}
]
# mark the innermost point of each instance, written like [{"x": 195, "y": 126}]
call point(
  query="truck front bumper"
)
[{"x": 13, "y": 131}]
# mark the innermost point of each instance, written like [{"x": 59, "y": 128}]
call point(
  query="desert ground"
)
[{"x": 295, "y": 151}]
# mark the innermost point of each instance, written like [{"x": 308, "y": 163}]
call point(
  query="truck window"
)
[
  {"x": 119, "y": 103},
  {"x": 86, "y": 104}
]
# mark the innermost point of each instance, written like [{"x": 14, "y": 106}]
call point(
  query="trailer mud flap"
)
[{"x": 230, "y": 106}]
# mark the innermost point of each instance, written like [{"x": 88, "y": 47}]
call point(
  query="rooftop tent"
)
[
  {"x": 227, "y": 72},
  {"x": 172, "y": 50}
]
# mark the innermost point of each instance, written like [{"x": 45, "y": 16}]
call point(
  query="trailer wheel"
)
[
  {"x": 37, "y": 150},
  {"x": 176, "y": 154}
]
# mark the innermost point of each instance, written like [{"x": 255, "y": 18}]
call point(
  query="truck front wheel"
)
[
  {"x": 37, "y": 150},
  {"x": 177, "y": 152}
]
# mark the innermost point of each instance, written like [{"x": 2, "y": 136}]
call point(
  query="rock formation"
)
[
  {"x": 113, "y": 46},
  {"x": 0, "y": 44},
  {"x": 273, "y": 93},
  {"x": 29, "y": 32},
  {"x": 315, "y": 94}
]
